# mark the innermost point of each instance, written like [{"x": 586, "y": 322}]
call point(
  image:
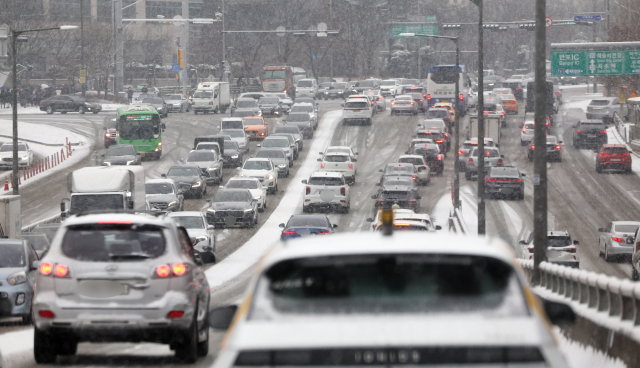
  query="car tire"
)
[
  {"x": 607, "y": 256},
  {"x": 346, "y": 209},
  {"x": 50, "y": 110},
  {"x": 63, "y": 112},
  {"x": 200, "y": 194},
  {"x": 635, "y": 276},
  {"x": 67, "y": 346},
  {"x": 27, "y": 319},
  {"x": 521, "y": 196},
  {"x": 187, "y": 351},
  {"x": 96, "y": 112},
  {"x": 522, "y": 143},
  {"x": 44, "y": 347},
  {"x": 203, "y": 346},
  {"x": 81, "y": 110},
  {"x": 598, "y": 169},
  {"x": 467, "y": 175},
  {"x": 306, "y": 209}
]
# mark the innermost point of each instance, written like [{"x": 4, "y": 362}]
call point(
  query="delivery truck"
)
[
  {"x": 104, "y": 189},
  {"x": 211, "y": 97},
  {"x": 491, "y": 127}
]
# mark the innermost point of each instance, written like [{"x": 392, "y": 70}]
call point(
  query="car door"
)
[{"x": 605, "y": 236}]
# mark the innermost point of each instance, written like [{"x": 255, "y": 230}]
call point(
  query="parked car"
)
[
  {"x": 613, "y": 157},
  {"x": 25, "y": 155},
  {"x": 177, "y": 102},
  {"x": 65, "y": 103},
  {"x": 18, "y": 278}
]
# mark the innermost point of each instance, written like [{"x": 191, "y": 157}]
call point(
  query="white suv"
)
[
  {"x": 262, "y": 169},
  {"x": 307, "y": 88},
  {"x": 326, "y": 190},
  {"x": 390, "y": 87},
  {"x": 357, "y": 109},
  {"x": 603, "y": 108},
  {"x": 120, "y": 278},
  {"x": 341, "y": 163}
]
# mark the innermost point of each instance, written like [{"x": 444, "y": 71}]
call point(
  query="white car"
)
[
  {"x": 25, "y": 155},
  {"x": 527, "y": 133},
  {"x": 363, "y": 299},
  {"x": 308, "y": 108},
  {"x": 238, "y": 136},
  {"x": 390, "y": 87},
  {"x": 560, "y": 249},
  {"x": 326, "y": 190},
  {"x": 340, "y": 149},
  {"x": 258, "y": 191},
  {"x": 424, "y": 172},
  {"x": 357, "y": 109},
  {"x": 307, "y": 88},
  {"x": 262, "y": 169},
  {"x": 617, "y": 239},
  {"x": 340, "y": 162}
]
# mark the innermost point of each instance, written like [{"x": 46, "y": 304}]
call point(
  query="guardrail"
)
[
  {"x": 456, "y": 221},
  {"x": 615, "y": 300},
  {"x": 49, "y": 220},
  {"x": 621, "y": 127}
]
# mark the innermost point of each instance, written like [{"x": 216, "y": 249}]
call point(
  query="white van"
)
[
  {"x": 231, "y": 123},
  {"x": 307, "y": 88},
  {"x": 211, "y": 97}
]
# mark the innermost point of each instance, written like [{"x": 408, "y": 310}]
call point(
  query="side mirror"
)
[
  {"x": 600, "y": 229},
  {"x": 561, "y": 142},
  {"x": 259, "y": 145},
  {"x": 501, "y": 156},
  {"x": 281, "y": 225},
  {"x": 104, "y": 128},
  {"x": 369, "y": 219},
  {"x": 419, "y": 197},
  {"x": 220, "y": 318},
  {"x": 164, "y": 126},
  {"x": 523, "y": 242},
  {"x": 575, "y": 242},
  {"x": 163, "y": 175},
  {"x": 304, "y": 181},
  {"x": 354, "y": 160},
  {"x": 380, "y": 170},
  {"x": 34, "y": 265},
  {"x": 438, "y": 227},
  {"x": 335, "y": 226},
  {"x": 559, "y": 313},
  {"x": 375, "y": 196},
  {"x": 523, "y": 174}
]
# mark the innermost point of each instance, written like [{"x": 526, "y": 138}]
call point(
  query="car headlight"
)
[
  {"x": 256, "y": 197},
  {"x": 106, "y": 164},
  {"x": 270, "y": 177},
  {"x": 195, "y": 185},
  {"x": 130, "y": 162},
  {"x": 211, "y": 169},
  {"x": 234, "y": 156},
  {"x": 172, "y": 203},
  {"x": 248, "y": 210},
  {"x": 24, "y": 157},
  {"x": 282, "y": 166},
  {"x": 201, "y": 238},
  {"x": 17, "y": 278}
]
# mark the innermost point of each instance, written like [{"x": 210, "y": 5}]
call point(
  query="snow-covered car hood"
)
[
  {"x": 184, "y": 179},
  {"x": 202, "y": 164},
  {"x": 225, "y": 206},
  {"x": 119, "y": 160},
  {"x": 161, "y": 198},
  {"x": 251, "y": 128},
  {"x": 255, "y": 173},
  {"x": 257, "y": 193}
]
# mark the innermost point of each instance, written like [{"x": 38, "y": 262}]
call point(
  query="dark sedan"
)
[
  {"x": 505, "y": 181},
  {"x": 589, "y": 133},
  {"x": 432, "y": 156},
  {"x": 188, "y": 179},
  {"x": 303, "y": 121},
  {"x": 270, "y": 105},
  {"x": 232, "y": 157},
  {"x": 159, "y": 105},
  {"x": 306, "y": 225},
  {"x": 233, "y": 207},
  {"x": 554, "y": 149},
  {"x": 65, "y": 104},
  {"x": 121, "y": 154},
  {"x": 403, "y": 197}
]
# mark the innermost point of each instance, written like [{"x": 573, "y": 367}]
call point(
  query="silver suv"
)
[{"x": 120, "y": 278}]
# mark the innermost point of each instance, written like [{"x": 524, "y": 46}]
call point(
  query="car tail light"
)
[
  {"x": 486, "y": 112},
  {"x": 603, "y": 132},
  {"x": 323, "y": 232},
  {"x": 163, "y": 271},
  {"x": 517, "y": 89},
  {"x": 420, "y": 100},
  {"x": 402, "y": 225},
  {"x": 439, "y": 157},
  {"x": 570, "y": 249},
  {"x": 343, "y": 191},
  {"x": 351, "y": 165},
  {"x": 322, "y": 165},
  {"x": 524, "y": 130},
  {"x": 578, "y": 131},
  {"x": 394, "y": 103},
  {"x": 558, "y": 147},
  {"x": 288, "y": 232},
  {"x": 460, "y": 152},
  {"x": 492, "y": 180},
  {"x": 530, "y": 249},
  {"x": 46, "y": 314},
  {"x": 41, "y": 102},
  {"x": 308, "y": 191},
  {"x": 175, "y": 314},
  {"x": 439, "y": 141},
  {"x": 412, "y": 201},
  {"x": 429, "y": 97},
  {"x": 179, "y": 269},
  {"x": 461, "y": 97},
  {"x": 61, "y": 270},
  {"x": 46, "y": 268},
  {"x": 499, "y": 162},
  {"x": 617, "y": 239},
  {"x": 423, "y": 95},
  {"x": 410, "y": 103},
  {"x": 547, "y": 124},
  {"x": 470, "y": 160},
  {"x": 502, "y": 114},
  {"x": 450, "y": 111},
  {"x": 533, "y": 147}
]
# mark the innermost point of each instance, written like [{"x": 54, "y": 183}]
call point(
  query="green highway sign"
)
[
  {"x": 420, "y": 28},
  {"x": 595, "y": 62}
]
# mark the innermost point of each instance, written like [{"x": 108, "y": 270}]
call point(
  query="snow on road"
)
[{"x": 34, "y": 110}]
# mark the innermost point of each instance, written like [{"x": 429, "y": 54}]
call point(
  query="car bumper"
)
[
  {"x": 174, "y": 108},
  {"x": 504, "y": 190},
  {"x": 591, "y": 141},
  {"x": 396, "y": 108},
  {"x": 9, "y": 295},
  {"x": 620, "y": 248},
  {"x": 230, "y": 220},
  {"x": 615, "y": 165}
]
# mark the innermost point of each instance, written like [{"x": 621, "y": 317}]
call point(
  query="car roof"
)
[
  {"x": 614, "y": 146},
  {"x": 558, "y": 233},
  {"x": 259, "y": 158},
  {"x": 6, "y": 241},
  {"x": 303, "y": 104},
  {"x": 625, "y": 222},
  {"x": 184, "y": 214},
  {"x": 332, "y": 174},
  {"x": 116, "y": 218},
  {"x": 159, "y": 181},
  {"x": 336, "y": 154},
  {"x": 341, "y": 147},
  {"x": 410, "y": 156},
  {"x": 185, "y": 166}
]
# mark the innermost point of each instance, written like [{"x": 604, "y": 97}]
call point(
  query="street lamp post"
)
[
  {"x": 456, "y": 164},
  {"x": 14, "y": 95}
]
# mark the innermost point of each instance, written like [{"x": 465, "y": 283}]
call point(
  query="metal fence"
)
[
  {"x": 618, "y": 299},
  {"x": 456, "y": 222}
]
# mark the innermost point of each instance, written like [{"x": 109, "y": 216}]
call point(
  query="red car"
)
[
  {"x": 613, "y": 156},
  {"x": 111, "y": 133}
]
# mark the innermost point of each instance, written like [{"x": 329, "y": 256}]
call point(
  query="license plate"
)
[
  {"x": 102, "y": 288},
  {"x": 615, "y": 160},
  {"x": 141, "y": 154},
  {"x": 356, "y": 110},
  {"x": 445, "y": 101},
  {"x": 591, "y": 135}
]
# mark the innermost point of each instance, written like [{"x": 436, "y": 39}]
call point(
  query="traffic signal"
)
[{"x": 180, "y": 53}]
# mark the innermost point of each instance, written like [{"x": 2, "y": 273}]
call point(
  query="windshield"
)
[
  {"x": 201, "y": 155},
  {"x": 242, "y": 184},
  {"x": 443, "y": 74},
  {"x": 599, "y": 102},
  {"x": 183, "y": 171},
  {"x": 158, "y": 188},
  {"x": 325, "y": 180},
  {"x": 312, "y": 221},
  {"x": 249, "y": 122},
  {"x": 86, "y": 203},
  {"x": 559, "y": 241},
  {"x": 120, "y": 151},
  {"x": 298, "y": 117},
  {"x": 203, "y": 94},
  {"x": 338, "y": 150},
  {"x": 436, "y": 113},
  {"x": 388, "y": 83},
  {"x": 356, "y": 105},
  {"x": 37, "y": 241},
  {"x": 113, "y": 242},
  {"x": 9, "y": 147},
  {"x": 230, "y": 145},
  {"x": 366, "y": 84},
  {"x": 135, "y": 127},
  {"x": 245, "y": 104},
  {"x": 288, "y": 129},
  {"x": 173, "y": 97},
  {"x": 283, "y": 143},
  {"x": 626, "y": 228},
  {"x": 274, "y": 74},
  {"x": 388, "y": 283},
  {"x": 305, "y": 83},
  {"x": 257, "y": 165},
  {"x": 208, "y": 146},
  {"x": 152, "y": 101},
  {"x": 614, "y": 149},
  {"x": 398, "y": 169},
  {"x": 487, "y": 153},
  {"x": 268, "y": 100},
  {"x": 396, "y": 182},
  {"x": 189, "y": 222},
  {"x": 338, "y": 86},
  {"x": 12, "y": 255},
  {"x": 232, "y": 196},
  {"x": 268, "y": 153}
]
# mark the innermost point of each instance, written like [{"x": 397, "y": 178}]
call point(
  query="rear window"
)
[
  {"x": 113, "y": 242},
  {"x": 530, "y": 126},
  {"x": 323, "y": 180},
  {"x": 614, "y": 149},
  {"x": 307, "y": 221},
  {"x": 592, "y": 126},
  {"x": 487, "y": 153},
  {"x": 398, "y": 169},
  {"x": 599, "y": 102},
  {"x": 336, "y": 158},
  {"x": 626, "y": 228},
  {"x": 388, "y": 283},
  {"x": 356, "y": 105},
  {"x": 559, "y": 241},
  {"x": 412, "y": 160}
]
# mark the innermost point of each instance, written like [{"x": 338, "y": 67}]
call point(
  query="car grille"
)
[
  {"x": 223, "y": 214},
  {"x": 113, "y": 135},
  {"x": 184, "y": 186},
  {"x": 261, "y": 178},
  {"x": 159, "y": 205}
]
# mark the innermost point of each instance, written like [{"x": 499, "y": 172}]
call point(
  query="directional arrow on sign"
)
[{"x": 592, "y": 66}]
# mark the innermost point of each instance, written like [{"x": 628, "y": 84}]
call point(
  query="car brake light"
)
[
  {"x": 429, "y": 97},
  {"x": 486, "y": 112},
  {"x": 175, "y": 314},
  {"x": 439, "y": 141},
  {"x": 394, "y": 103},
  {"x": 439, "y": 157},
  {"x": 423, "y": 95},
  {"x": 558, "y": 147},
  {"x": 308, "y": 190},
  {"x": 570, "y": 249},
  {"x": 461, "y": 97},
  {"x": 343, "y": 191},
  {"x": 499, "y": 162},
  {"x": 46, "y": 314},
  {"x": 616, "y": 239},
  {"x": 114, "y": 222},
  {"x": 533, "y": 147},
  {"x": 524, "y": 130},
  {"x": 351, "y": 165},
  {"x": 179, "y": 269},
  {"x": 578, "y": 131},
  {"x": 450, "y": 111},
  {"x": 470, "y": 160},
  {"x": 412, "y": 201},
  {"x": 530, "y": 249},
  {"x": 163, "y": 271},
  {"x": 517, "y": 89},
  {"x": 288, "y": 232},
  {"x": 322, "y": 165},
  {"x": 420, "y": 100},
  {"x": 410, "y": 103},
  {"x": 323, "y": 232},
  {"x": 61, "y": 270},
  {"x": 603, "y": 131},
  {"x": 502, "y": 114},
  {"x": 46, "y": 268},
  {"x": 460, "y": 152}
]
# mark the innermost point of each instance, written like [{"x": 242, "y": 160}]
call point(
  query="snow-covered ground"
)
[
  {"x": 106, "y": 107},
  {"x": 52, "y": 140}
]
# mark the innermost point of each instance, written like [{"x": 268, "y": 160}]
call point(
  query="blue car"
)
[
  {"x": 305, "y": 225},
  {"x": 18, "y": 277}
]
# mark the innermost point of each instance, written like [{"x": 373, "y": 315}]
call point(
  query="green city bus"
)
[{"x": 140, "y": 125}]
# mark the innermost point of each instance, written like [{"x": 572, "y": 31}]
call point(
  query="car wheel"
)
[
  {"x": 63, "y": 112},
  {"x": 607, "y": 256},
  {"x": 634, "y": 274},
  {"x": 200, "y": 194},
  {"x": 203, "y": 333},
  {"x": 598, "y": 169},
  {"x": 27, "y": 318},
  {"x": 44, "y": 347},
  {"x": 187, "y": 351},
  {"x": 467, "y": 175},
  {"x": 346, "y": 209},
  {"x": 68, "y": 346},
  {"x": 96, "y": 112},
  {"x": 81, "y": 110},
  {"x": 521, "y": 196},
  {"x": 306, "y": 209},
  {"x": 50, "y": 110}
]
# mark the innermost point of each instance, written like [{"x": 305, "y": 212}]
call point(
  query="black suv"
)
[
  {"x": 504, "y": 181},
  {"x": 589, "y": 133},
  {"x": 405, "y": 198},
  {"x": 64, "y": 104},
  {"x": 233, "y": 207}
]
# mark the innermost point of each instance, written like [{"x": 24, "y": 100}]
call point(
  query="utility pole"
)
[
  {"x": 456, "y": 157},
  {"x": 224, "y": 46},
  {"x": 540, "y": 142},
  {"x": 184, "y": 40},
  {"x": 119, "y": 76},
  {"x": 83, "y": 86},
  {"x": 481, "y": 203}
]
